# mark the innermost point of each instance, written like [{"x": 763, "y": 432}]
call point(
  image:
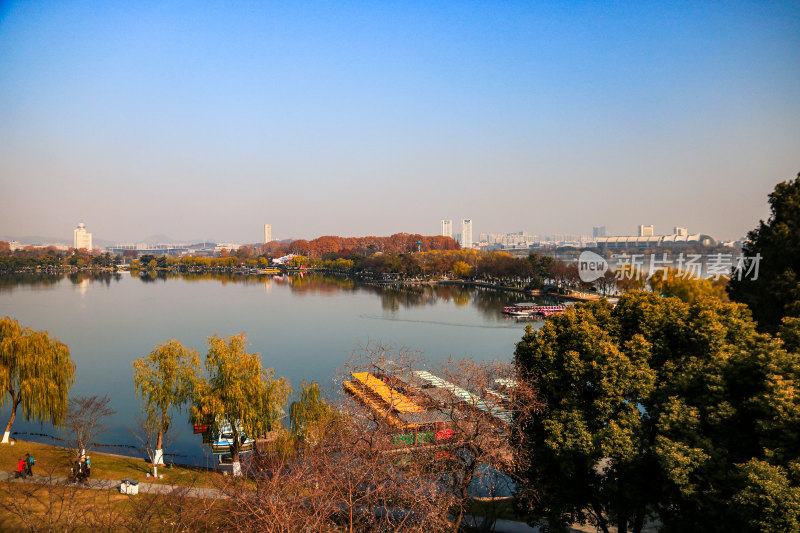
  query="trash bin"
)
[{"x": 129, "y": 486}]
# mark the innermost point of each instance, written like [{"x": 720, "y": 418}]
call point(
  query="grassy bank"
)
[{"x": 57, "y": 461}]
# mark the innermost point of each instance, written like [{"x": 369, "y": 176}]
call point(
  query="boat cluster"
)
[
  {"x": 534, "y": 310},
  {"x": 424, "y": 406}
]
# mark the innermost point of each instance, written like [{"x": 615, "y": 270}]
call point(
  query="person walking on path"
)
[
  {"x": 83, "y": 478},
  {"x": 28, "y": 464},
  {"x": 20, "y": 469},
  {"x": 76, "y": 470},
  {"x": 88, "y": 467}
]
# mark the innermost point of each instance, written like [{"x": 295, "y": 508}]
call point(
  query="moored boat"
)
[{"x": 531, "y": 309}]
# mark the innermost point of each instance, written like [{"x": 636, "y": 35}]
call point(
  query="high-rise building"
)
[
  {"x": 81, "y": 238},
  {"x": 466, "y": 233},
  {"x": 646, "y": 231},
  {"x": 267, "y": 233},
  {"x": 680, "y": 231},
  {"x": 598, "y": 231},
  {"x": 447, "y": 228}
]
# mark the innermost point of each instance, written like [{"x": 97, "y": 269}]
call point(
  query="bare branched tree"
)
[
  {"x": 86, "y": 420},
  {"x": 463, "y": 434},
  {"x": 104, "y": 515},
  {"x": 280, "y": 500},
  {"x": 173, "y": 510},
  {"x": 485, "y": 402}
]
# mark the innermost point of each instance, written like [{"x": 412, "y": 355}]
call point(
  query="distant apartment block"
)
[
  {"x": 466, "y": 233},
  {"x": 81, "y": 238},
  {"x": 646, "y": 231},
  {"x": 267, "y": 233},
  {"x": 447, "y": 228},
  {"x": 598, "y": 231},
  {"x": 518, "y": 239}
]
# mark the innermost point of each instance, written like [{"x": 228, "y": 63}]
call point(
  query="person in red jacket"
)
[{"x": 20, "y": 469}]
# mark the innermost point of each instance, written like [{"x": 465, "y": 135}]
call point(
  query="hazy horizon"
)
[{"x": 360, "y": 119}]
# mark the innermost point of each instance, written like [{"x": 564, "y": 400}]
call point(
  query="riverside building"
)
[{"x": 81, "y": 238}]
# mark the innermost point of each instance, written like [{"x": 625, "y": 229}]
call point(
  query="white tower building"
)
[
  {"x": 447, "y": 228},
  {"x": 81, "y": 238},
  {"x": 646, "y": 231},
  {"x": 267, "y": 233},
  {"x": 466, "y": 233}
]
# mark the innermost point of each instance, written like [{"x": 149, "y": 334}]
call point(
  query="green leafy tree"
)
[
  {"x": 772, "y": 495},
  {"x": 776, "y": 292},
  {"x": 36, "y": 372},
  {"x": 165, "y": 379},
  {"x": 238, "y": 393},
  {"x": 661, "y": 409},
  {"x": 540, "y": 266}
]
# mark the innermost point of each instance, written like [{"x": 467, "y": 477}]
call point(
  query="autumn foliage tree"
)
[
  {"x": 329, "y": 244},
  {"x": 36, "y": 373},
  {"x": 683, "y": 285}
]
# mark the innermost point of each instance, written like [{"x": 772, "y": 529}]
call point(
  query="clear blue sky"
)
[{"x": 197, "y": 119}]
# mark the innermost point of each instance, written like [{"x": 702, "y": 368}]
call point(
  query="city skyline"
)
[
  {"x": 361, "y": 119},
  {"x": 81, "y": 234}
]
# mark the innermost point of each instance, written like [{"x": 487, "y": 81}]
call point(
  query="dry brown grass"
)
[{"x": 104, "y": 466}]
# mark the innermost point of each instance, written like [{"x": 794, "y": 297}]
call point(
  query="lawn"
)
[{"x": 57, "y": 460}]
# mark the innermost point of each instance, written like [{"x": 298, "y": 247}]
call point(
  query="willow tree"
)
[
  {"x": 308, "y": 412},
  {"x": 36, "y": 372},
  {"x": 238, "y": 395},
  {"x": 165, "y": 379}
]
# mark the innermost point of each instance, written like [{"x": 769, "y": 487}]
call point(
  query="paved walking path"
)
[{"x": 110, "y": 484}]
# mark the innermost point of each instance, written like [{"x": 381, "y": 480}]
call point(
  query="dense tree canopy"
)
[
  {"x": 776, "y": 292},
  {"x": 399, "y": 242},
  {"x": 36, "y": 372},
  {"x": 662, "y": 409},
  {"x": 51, "y": 258}
]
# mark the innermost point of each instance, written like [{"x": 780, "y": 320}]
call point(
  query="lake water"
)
[{"x": 304, "y": 327}]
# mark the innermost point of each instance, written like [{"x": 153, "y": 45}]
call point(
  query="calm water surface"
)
[{"x": 303, "y": 327}]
